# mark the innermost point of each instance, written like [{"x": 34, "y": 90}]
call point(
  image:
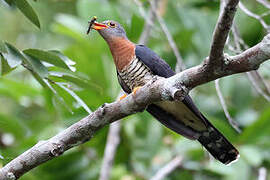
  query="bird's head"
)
[
  {"x": 110, "y": 30},
  {"x": 121, "y": 48}
]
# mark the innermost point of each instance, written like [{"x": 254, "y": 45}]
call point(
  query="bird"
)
[{"x": 136, "y": 65}]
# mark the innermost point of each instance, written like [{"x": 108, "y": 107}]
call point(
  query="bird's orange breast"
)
[{"x": 123, "y": 51}]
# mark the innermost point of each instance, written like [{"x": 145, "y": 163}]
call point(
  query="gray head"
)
[{"x": 110, "y": 29}]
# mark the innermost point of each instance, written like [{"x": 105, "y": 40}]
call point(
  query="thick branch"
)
[
  {"x": 221, "y": 31},
  {"x": 160, "y": 89}
]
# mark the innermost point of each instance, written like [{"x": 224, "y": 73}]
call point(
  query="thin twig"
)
[
  {"x": 154, "y": 3},
  {"x": 179, "y": 64},
  {"x": 168, "y": 168},
  {"x": 251, "y": 14},
  {"x": 113, "y": 139},
  {"x": 262, "y": 173},
  {"x": 264, "y": 3},
  {"x": 238, "y": 41},
  {"x": 259, "y": 84},
  {"x": 143, "y": 13},
  {"x": 223, "y": 6},
  {"x": 225, "y": 109},
  {"x": 148, "y": 25},
  {"x": 254, "y": 77},
  {"x": 221, "y": 32},
  {"x": 267, "y": 13}
]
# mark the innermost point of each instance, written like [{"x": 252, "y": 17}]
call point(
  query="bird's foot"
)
[
  {"x": 136, "y": 89},
  {"x": 122, "y": 97}
]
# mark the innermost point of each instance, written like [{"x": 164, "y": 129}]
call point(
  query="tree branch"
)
[
  {"x": 168, "y": 168},
  {"x": 149, "y": 22},
  {"x": 179, "y": 63},
  {"x": 154, "y": 13},
  {"x": 259, "y": 84},
  {"x": 262, "y": 173},
  {"x": 253, "y": 15},
  {"x": 225, "y": 109},
  {"x": 175, "y": 87},
  {"x": 221, "y": 31},
  {"x": 254, "y": 77},
  {"x": 264, "y": 3},
  {"x": 113, "y": 140}
]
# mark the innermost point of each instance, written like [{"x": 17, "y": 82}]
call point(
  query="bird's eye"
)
[{"x": 111, "y": 24}]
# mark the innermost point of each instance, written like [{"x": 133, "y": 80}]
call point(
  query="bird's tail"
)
[{"x": 218, "y": 146}]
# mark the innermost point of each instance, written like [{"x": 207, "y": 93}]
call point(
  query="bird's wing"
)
[
  {"x": 184, "y": 117},
  {"x": 159, "y": 67}
]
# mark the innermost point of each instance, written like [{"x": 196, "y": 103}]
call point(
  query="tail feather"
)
[
  {"x": 218, "y": 146},
  {"x": 215, "y": 143}
]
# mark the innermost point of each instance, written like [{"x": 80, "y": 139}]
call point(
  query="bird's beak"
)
[{"x": 98, "y": 26}]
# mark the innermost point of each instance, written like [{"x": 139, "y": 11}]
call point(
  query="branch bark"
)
[
  {"x": 221, "y": 31},
  {"x": 175, "y": 87}
]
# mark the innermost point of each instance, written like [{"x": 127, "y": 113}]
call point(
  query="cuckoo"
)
[{"x": 136, "y": 65}]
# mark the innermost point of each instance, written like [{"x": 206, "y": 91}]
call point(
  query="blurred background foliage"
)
[{"x": 41, "y": 93}]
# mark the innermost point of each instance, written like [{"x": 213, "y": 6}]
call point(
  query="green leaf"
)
[
  {"x": 13, "y": 56},
  {"x": 4, "y": 67},
  {"x": 74, "y": 78},
  {"x": 76, "y": 97},
  {"x": 68, "y": 61},
  {"x": 2, "y": 47},
  {"x": 9, "y": 88},
  {"x": 28, "y": 11},
  {"x": 36, "y": 66},
  {"x": 136, "y": 28},
  {"x": 49, "y": 86},
  {"x": 9, "y": 2},
  {"x": 47, "y": 56},
  {"x": 61, "y": 95}
]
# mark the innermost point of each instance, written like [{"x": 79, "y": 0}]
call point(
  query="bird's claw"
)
[
  {"x": 122, "y": 97},
  {"x": 136, "y": 89}
]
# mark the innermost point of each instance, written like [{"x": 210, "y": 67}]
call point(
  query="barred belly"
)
[{"x": 136, "y": 74}]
